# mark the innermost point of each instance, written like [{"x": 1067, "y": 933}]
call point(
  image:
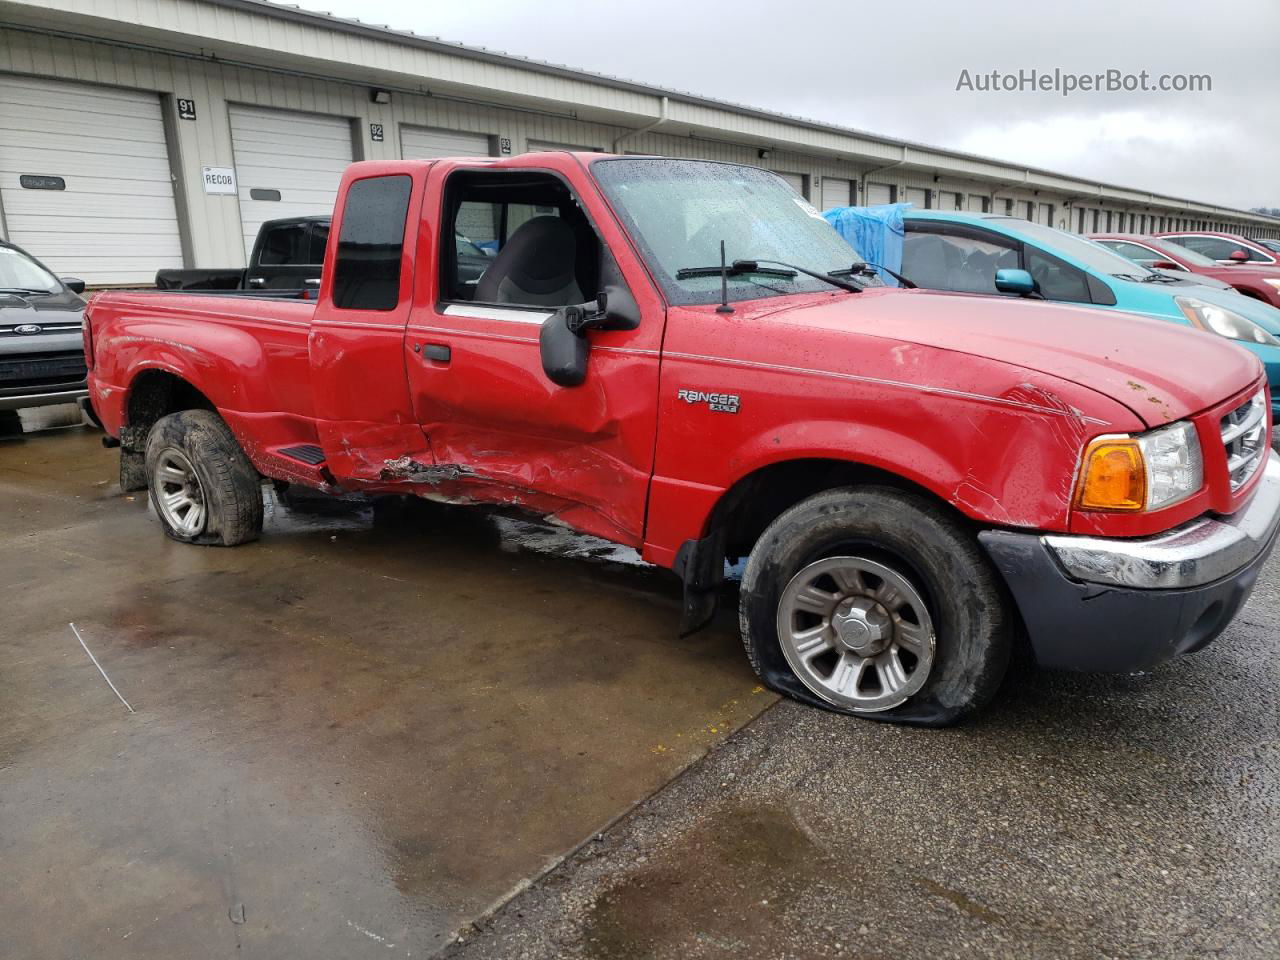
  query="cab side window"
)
[
  {"x": 366, "y": 275},
  {"x": 520, "y": 239}
]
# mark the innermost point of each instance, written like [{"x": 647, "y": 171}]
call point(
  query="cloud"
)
[{"x": 893, "y": 71}]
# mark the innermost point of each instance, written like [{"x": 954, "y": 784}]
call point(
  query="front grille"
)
[
  {"x": 11, "y": 329},
  {"x": 42, "y": 370},
  {"x": 1244, "y": 437}
]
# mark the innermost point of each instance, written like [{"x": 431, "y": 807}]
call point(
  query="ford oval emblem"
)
[{"x": 27, "y": 329}]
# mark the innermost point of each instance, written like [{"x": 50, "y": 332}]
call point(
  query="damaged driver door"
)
[{"x": 501, "y": 431}]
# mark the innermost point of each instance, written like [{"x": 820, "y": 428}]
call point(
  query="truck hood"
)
[{"x": 1158, "y": 369}]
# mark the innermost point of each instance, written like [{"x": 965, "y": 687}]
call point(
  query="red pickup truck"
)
[{"x": 683, "y": 357}]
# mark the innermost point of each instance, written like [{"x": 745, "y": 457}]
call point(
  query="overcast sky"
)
[{"x": 893, "y": 68}]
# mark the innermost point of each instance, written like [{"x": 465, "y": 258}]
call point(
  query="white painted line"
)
[{"x": 99, "y": 666}]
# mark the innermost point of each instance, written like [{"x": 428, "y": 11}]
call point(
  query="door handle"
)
[
  {"x": 257, "y": 281},
  {"x": 437, "y": 351}
]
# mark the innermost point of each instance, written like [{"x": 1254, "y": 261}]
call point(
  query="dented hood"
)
[{"x": 1158, "y": 369}]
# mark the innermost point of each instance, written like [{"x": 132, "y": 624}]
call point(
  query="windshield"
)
[
  {"x": 20, "y": 272},
  {"x": 1088, "y": 252},
  {"x": 678, "y": 212}
]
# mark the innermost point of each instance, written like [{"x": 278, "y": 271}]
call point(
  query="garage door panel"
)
[
  {"x": 836, "y": 192},
  {"x": 544, "y": 146},
  {"x": 300, "y": 147},
  {"x": 794, "y": 180},
  {"x": 424, "y": 143},
  {"x": 878, "y": 193},
  {"x": 116, "y": 221},
  {"x": 79, "y": 100},
  {"x": 302, "y": 155}
]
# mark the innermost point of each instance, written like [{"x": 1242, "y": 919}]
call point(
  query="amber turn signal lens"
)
[{"x": 1113, "y": 476}]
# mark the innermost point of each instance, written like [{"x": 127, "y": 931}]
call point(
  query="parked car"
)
[
  {"x": 1272, "y": 245},
  {"x": 41, "y": 354},
  {"x": 1160, "y": 253},
  {"x": 1228, "y": 248},
  {"x": 913, "y": 477},
  {"x": 288, "y": 255},
  {"x": 965, "y": 251}
]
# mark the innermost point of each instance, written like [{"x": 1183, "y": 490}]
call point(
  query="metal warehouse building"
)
[{"x": 140, "y": 134}]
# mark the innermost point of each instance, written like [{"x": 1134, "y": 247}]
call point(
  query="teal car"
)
[{"x": 1005, "y": 256}]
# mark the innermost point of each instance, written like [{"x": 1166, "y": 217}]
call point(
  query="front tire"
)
[
  {"x": 202, "y": 486},
  {"x": 875, "y": 602}
]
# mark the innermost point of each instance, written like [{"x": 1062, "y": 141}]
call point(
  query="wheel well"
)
[
  {"x": 759, "y": 498},
  {"x": 152, "y": 395}
]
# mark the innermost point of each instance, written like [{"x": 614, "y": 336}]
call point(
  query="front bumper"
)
[
  {"x": 41, "y": 399},
  {"x": 1098, "y": 604}
]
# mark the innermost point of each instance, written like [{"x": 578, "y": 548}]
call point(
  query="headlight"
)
[
  {"x": 1224, "y": 322},
  {"x": 1123, "y": 473}
]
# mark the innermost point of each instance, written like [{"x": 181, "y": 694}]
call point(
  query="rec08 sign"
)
[{"x": 219, "y": 180}]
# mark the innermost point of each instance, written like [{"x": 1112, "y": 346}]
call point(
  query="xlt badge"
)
[{"x": 716, "y": 402}]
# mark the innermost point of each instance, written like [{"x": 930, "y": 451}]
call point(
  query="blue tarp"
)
[{"x": 875, "y": 232}]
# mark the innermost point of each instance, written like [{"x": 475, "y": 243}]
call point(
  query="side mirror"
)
[
  {"x": 564, "y": 347},
  {"x": 563, "y": 338},
  {"x": 1239, "y": 256},
  {"x": 74, "y": 284},
  {"x": 1163, "y": 265},
  {"x": 1015, "y": 281}
]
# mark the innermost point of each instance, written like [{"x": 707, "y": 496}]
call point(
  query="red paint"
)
[
  {"x": 1248, "y": 277},
  {"x": 987, "y": 403}
]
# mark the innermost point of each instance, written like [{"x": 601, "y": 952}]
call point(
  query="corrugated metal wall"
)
[{"x": 211, "y": 224}]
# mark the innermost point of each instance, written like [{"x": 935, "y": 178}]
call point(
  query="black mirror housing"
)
[
  {"x": 564, "y": 349},
  {"x": 74, "y": 284},
  {"x": 563, "y": 338}
]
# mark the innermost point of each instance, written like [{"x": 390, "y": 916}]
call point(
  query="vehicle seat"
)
[{"x": 537, "y": 266}]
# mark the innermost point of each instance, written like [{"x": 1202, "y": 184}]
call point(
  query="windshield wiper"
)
[
  {"x": 735, "y": 269},
  {"x": 1161, "y": 278},
  {"x": 788, "y": 271},
  {"x": 26, "y": 291},
  {"x": 868, "y": 268}
]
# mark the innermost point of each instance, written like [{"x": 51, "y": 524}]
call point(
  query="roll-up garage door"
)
[
  {"x": 879, "y": 193},
  {"x": 977, "y": 203},
  {"x": 287, "y": 164},
  {"x": 794, "y": 180},
  {"x": 84, "y": 180},
  {"x": 423, "y": 143},
  {"x": 836, "y": 193},
  {"x": 918, "y": 198}
]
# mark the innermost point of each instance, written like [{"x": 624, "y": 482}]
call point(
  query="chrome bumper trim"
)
[{"x": 1191, "y": 555}]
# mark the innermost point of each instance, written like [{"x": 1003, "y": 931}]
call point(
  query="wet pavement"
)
[
  {"x": 1079, "y": 817},
  {"x": 374, "y": 727},
  {"x": 350, "y": 737}
]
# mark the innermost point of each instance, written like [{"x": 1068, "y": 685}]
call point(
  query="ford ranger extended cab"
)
[{"x": 683, "y": 357}]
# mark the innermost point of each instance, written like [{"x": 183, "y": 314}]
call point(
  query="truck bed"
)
[{"x": 248, "y": 352}]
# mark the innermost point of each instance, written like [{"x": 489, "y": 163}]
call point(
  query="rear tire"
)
[
  {"x": 203, "y": 487},
  {"x": 875, "y": 602}
]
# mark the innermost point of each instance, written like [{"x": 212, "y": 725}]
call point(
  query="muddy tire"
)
[
  {"x": 875, "y": 602},
  {"x": 202, "y": 486}
]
